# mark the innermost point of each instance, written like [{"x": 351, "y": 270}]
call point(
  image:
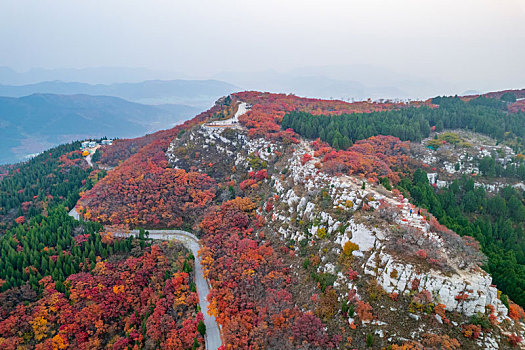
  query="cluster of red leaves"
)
[
  {"x": 518, "y": 106},
  {"x": 132, "y": 303},
  {"x": 352, "y": 275},
  {"x": 123, "y": 149},
  {"x": 146, "y": 191},
  {"x": 250, "y": 297},
  {"x": 422, "y": 254},
  {"x": 434, "y": 341},
  {"x": 248, "y": 184},
  {"x": 462, "y": 296},
  {"x": 306, "y": 158},
  {"x": 71, "y": 159},
  {"x": 265, "y": 116},
  {"x": 364, "y": 311},
  {"x": 515, "y": 311},
  {"x": 514, "y": 339},
  {"x": 492, "y": 314},
  {"x": 370, "y": 158},
  {"x": 254, "y": 179},
  {"x": 415, "y": 284},
  {"x": 394, "y": 296},
  {"x": 439, "y": 309},
  {"x": 471, "y": 331}
]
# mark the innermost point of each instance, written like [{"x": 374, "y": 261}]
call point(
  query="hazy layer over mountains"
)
[
  {"x": 34, "y": 123},
  {"x": 45, "y": 107},
  {"x": 35, "y": 115},
  {"x": 346, "y": 82},
  {"x": 196, "y": 93}
]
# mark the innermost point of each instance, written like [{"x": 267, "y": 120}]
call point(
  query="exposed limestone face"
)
[
  {"x": 476, "y": 286},
  {"x": 464, "y": 291},
  {"x": 315, "y": 209}
]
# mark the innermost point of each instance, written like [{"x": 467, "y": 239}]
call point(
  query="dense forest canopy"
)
[
  {"x": 483, "y": 115},
  {"x": 70, "y": 284},
  {"x": 51, "y": 178},
  {"x": 497, "y": 222}
]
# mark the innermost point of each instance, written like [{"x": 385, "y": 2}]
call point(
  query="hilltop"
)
[
  {"x": 349, "y": 226},
  {"x": 322, "y": 224}
]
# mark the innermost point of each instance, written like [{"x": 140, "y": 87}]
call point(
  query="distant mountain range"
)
[
  {"x": 198, "y": 93},
  {"x": 346, "y": 82},
  {"x": 33, "y": 123},
  {"x": 90, "y": 75}
]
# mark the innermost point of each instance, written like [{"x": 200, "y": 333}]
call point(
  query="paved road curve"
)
[
  {"x": 213, "y": 335},
  {"x": 233, "y": 121},
  {"x": 190, "y": 241}
]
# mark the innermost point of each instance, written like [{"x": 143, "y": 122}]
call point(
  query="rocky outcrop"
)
[{"x": 464, "y": 292}]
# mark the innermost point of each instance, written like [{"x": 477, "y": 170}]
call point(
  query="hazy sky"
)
[{"x": 454, "y": 40}]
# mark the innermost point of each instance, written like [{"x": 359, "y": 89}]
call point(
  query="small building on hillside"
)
[
  {"x": 92, "y": 144},
  {"x": 107, "y": 142},
  {"x": 84, "y": 144}
]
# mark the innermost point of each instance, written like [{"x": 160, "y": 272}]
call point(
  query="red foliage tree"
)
[{"x": 250, "y": 296}]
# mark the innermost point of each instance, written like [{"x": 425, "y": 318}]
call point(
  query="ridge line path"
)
[
  {"x": 233, "y": 121},
  {"x": 190, "y": 241},
  {"x": 212, "y": 336}
]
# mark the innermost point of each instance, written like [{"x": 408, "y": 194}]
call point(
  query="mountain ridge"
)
[
  {"x": 351, "y": 240},
  {"x": 192, "y": 92}
]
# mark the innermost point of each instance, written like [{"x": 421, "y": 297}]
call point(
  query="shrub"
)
[
  {"x": 394, "y": 296},
  {"x": 421, "y": 253},
  {"x": 306, "y": 263},
  {"x": 504, "y": 300},
  {"x": 369, "y": 340},
  {"x": 261, "y": 175},
  {"x": 481, "y": 320},
  {"x": 352, "y": 275},
  {"x": 247, "y": 184},
  {"x": 306, "y": 158},
  {"x": 472, "y": 331},
  {"x": 435, "y": 341},
  {"x": 462, "y": 296},
  {"x": 515, "y": 311},
  {"x": 415, "y": 284},
  {"x": 201, "y": 328},
  {"x": 345, "y": 307},
  {"x": 349, "y": 247},
  {"x": 364, "y": 311},
  {"x": 514, "y": 339},
  {"x": 351, "y": 310}
]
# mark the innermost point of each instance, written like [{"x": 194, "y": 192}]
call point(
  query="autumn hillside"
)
[{"x": 336, "y": 224}]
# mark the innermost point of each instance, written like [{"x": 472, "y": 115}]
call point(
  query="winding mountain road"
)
[{"x": 190, "y": 241}]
